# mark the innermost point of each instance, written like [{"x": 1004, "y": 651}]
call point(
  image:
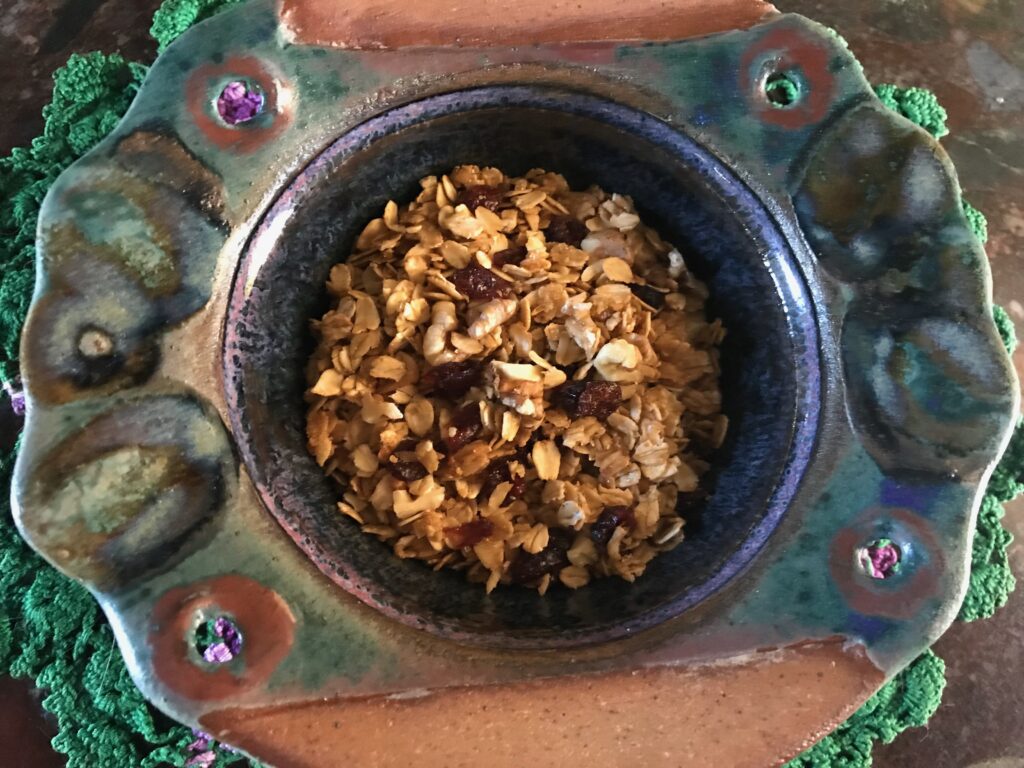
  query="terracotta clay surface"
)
[
  {"x": 395, "y": 23},
  {"x": 659, "y": 717}
]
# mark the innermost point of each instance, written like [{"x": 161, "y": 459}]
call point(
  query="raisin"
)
[
  {"x": 476, "y": 282},
  {"x": 468, "y": 534},
  {"x": 464, "y": 426},
  {"x": 652, "y": 297},
  {"x": 513, "y": 255},
  {"x": 553, "y": 558},
  {"x": 589, "y": 398},
  {"x": 452, "y": 380},
  {"x": 480, "y": 196},
  {"x": 610, "y": 519},
  {"x": 560, "y": 538},
  {"x": 565, "y": 229},
  {"x": 498, "y": 472},
  {"x": 407, "y": 470}
]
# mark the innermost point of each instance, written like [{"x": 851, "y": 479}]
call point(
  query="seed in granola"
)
[
  {"x": 469, "y": 534},
  {"x": 611, "y": 518},
  {"x": 513, "y": 255},
  {"x": 480, "y": 196},
  {"x": 477, "y": 283},
  {"x": 648, "y": 295},
  {"x": 566, "y": 229},
  {"x": 599, "y": 399},
  {"x": 464, "y": 426},
  {"x": 409, "y": 471},
  {"x": 553, "y": 558},
  {"x": 452, "y": 380}
]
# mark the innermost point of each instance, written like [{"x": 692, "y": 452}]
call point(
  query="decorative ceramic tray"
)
[{"x": 165, "y": 466}]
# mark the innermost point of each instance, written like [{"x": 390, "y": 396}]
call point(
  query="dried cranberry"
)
[
  {"x": 513, "y": 255},
  {"x": 589, "y": 398},
  {"x": 468, "y": 534},
  {"x": 566, "y": 229},
  {"x": 478, "y": 283},
  {"x": 498, "y": 472},
  {"x": 652, "y": 297},
  {"x": 452, "y": 379},
  {"x": 407, "y": 470},
  {"x": 610, "y": 519},
  {"x": 553, "y": 558},
  {"x": 464, "y": 426},
  {"x": 480, "y": 196}
]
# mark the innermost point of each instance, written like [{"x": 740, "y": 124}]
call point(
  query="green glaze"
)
[{"x": 918, "y": 409}]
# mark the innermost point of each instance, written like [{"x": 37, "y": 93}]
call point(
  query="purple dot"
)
[
  {"x": 238, "y": 103},
  {"x": 16, "y": 395},
  {"x": 227, "y": 643},
  {"x": 880, "y": 559},
  {"x": 202, "y": 760}
]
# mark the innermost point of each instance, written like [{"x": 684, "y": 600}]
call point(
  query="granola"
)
[{"x": 515, "y": 380}]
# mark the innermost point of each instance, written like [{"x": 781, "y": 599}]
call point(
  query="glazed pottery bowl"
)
[
  {"x": 769, "y": 359},
  {"x": 164, "y": 462}
]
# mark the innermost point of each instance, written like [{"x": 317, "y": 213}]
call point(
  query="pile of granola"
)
[{"x": 515, "y": 380}]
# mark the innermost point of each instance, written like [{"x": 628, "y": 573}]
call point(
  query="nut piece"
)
[
  {"x": 546, "y": 459},
  {"x": 520, "y": 386},
  {"x": 570, "y": 515},
  {"x": 442, "y": 322},
  {"x": 491, "y": 315}
]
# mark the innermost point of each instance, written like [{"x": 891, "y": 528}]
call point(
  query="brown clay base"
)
[
  {"x": 743, "y": 715},
  {"x": 397, "y": 23}
]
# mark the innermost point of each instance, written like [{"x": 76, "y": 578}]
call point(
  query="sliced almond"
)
[
  {"x": 616, "y": 269},
  {"x": 329, "y": 383},
  {"x": 387, "y": 367},
  {"x": 365, "y": 460},
  {"x": 547, "y": 459},
  {"x": 509, "y": 425},
  {"x": 419, "y": 415},
  {"x": 536, "y": 539}
]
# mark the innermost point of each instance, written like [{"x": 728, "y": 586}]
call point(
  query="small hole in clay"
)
[
  {"x": 880, "y": 559},
  {"x": 218, "y": 640},
  {"x": 781, "y": 90},
  {"x": 94, "y": 343},
  {"x": 239, "y": 102}
]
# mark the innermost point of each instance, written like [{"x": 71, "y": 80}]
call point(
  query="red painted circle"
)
[
  {"x": 264, "y": 619},
  {"x": 901, "y": 596},
  {"x": 203, "y": 88},
  {"x": 788, "y": 49}
]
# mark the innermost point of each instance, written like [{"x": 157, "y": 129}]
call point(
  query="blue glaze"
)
[{"x": 770, "y": 359}]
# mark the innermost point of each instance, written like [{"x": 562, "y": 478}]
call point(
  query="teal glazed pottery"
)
[{"x": 164, "y": 462}]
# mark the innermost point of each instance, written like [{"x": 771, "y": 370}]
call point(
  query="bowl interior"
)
[{"x": 690, "y": 197}]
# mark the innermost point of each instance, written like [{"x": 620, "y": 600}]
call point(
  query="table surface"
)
[{"x": 968, "y": 51}]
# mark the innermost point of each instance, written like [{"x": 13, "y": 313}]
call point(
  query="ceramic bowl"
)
[{"x": 165, "y": 465}]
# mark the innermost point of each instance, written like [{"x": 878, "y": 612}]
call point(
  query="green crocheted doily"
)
[{"x": 53, "y": 632}]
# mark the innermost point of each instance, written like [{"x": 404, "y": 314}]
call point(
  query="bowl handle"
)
[{"x": 388, "y": 24}]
